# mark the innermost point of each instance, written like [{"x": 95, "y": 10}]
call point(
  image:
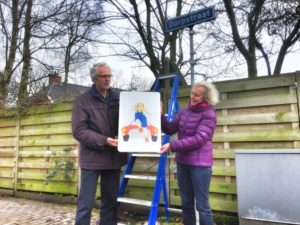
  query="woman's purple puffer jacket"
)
[{"x": 195, "y": 126}]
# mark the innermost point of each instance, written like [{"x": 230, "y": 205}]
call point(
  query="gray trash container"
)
[{"x": 268, "y": 186}]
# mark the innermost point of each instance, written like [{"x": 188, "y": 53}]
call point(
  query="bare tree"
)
[
  {"x": 252, "y": 21},
  {"x": 153, "y": 44},
  {"x": 118, "y": 80},
  {"x": 36, "y": 13},
  {"x": 285, "y": 27},
  {"x": 138, "y": 83},
  {"x": 40, "y": 30},
  {"x": 79, "y": 27},
  {"x": 133, "y": 82},
  {"x": 252, "y": 29},
  {"x": 15, "y": 7},
  {"x": 18, "y": 48},
  {"x": 146, "y": 39}
]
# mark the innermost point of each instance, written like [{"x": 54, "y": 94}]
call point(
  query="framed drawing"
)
[{"x": 139, "y": 122}]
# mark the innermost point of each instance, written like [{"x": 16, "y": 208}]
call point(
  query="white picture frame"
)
[{"x": 139, "y": 122}]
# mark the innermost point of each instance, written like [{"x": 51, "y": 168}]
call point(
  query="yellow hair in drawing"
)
[{"x": 140, "y": 107}]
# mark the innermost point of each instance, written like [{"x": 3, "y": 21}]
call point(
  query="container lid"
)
[{"x": 267, "y": 151}]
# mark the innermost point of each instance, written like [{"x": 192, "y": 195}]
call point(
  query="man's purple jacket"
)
[{"x": 195, "y": 126}]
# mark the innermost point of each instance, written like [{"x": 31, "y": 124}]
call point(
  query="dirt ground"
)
[{"x": 17, "y": 211}]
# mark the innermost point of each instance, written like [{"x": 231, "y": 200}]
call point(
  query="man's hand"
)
[
  {"x": 112, "y": 142},
  {"x": 164, "y": 148}
]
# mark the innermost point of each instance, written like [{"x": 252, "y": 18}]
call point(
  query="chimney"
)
[{"x": 54, "y": 78}]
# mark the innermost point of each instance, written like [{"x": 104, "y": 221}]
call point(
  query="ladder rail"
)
[
  {"x": 173, "y": 106},
  {"x": 161, "y": 181}
]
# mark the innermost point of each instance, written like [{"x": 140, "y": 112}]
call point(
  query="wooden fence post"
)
[
  {"x": 297, "y": 83},
  {"x": 16, "y": 159}
]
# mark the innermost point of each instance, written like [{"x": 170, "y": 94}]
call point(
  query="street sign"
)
[{"x": 191, "y": 19}]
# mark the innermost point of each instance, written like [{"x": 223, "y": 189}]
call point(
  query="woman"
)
[{"x": 195, "y": 126}]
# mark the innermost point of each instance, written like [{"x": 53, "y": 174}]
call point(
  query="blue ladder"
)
[{"x": 160, "y": 179}]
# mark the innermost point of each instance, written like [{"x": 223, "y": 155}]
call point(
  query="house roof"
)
[{"x": 56, "y": 91}]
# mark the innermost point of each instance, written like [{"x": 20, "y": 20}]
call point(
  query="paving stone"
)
[{"x": 19, "y": 211}]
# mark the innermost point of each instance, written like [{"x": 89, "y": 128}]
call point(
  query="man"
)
[{"x": 95, "y": 126}]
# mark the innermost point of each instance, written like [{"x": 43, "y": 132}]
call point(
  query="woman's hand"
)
[
  {"x": 164, "y": 148},
  {"x": 112, "y": 142}
]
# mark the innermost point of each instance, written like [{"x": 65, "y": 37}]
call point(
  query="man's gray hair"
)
[
  {"x": 94, "y": 69},
  {"x": 211, "y": 94}
]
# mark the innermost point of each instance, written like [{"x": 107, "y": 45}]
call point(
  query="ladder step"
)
[
  {"x": 164, "y": 77},
  {"x": 144, "y": 203},
  {"x": 175, "y": 210},
  {"x": 134, "y": 201},
  {"x": 140, "y": 177},
  {"x": 146, "y": 155},
  {"x": 152, "y": 155}
]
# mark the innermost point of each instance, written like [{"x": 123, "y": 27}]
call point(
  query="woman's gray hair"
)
[
  {"x": 211, "y": 93},
  {"x": 94, "y": 69}
]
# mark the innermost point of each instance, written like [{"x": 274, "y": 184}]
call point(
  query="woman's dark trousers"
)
[{"x": 193, "y": 182}]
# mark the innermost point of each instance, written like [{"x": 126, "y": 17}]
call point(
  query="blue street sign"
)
[{"x": 191, "y": 19}]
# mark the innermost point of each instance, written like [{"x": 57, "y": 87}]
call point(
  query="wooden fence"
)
[{"x": 261, "y": 113}]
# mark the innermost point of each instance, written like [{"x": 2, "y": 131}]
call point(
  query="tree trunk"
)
[
  {"x": 252, "y": 67},
  {"x": 23, "y": 93},
  {"x": 251, "y": 57},
  {"x": 67, "y": 68},
  {"x": 7, "y": 73},
  {"x": 265, "y": 56},
  {"x": 293, "y": 37},
  {"x": 3, "y": 91}
]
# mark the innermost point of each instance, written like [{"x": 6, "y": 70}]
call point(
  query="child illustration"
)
[
  {"x": 141, "y": 119},
  {"x": 140, "y": 123}
]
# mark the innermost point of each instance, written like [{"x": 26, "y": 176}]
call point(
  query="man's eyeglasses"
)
[{"x": 104, "y": 76}]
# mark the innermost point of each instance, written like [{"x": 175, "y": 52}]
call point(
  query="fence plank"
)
[
  {"x": 53, "y": 187},
  {"x": 6, "y": 152},
  {"x": 216, "y": 205},
  {"x": 6, "y": 184},
  {"x": 47, "y": 154},
  {"x": 269, "y": 135},
  {"x": 45, "y": 119},
  {"x": 7, "y": 162},
  {"x": 41, "y": 176},
  {"x": 278, "y": 117},
  {"x": 47, "y": 131},
  {"x": 41, "y": 165},
  {"x": 257, "y": 101},
  {"x": 43, "y": 142},
  {"x": 216, "y": 187},
  {"x": 7, "y": 142}
]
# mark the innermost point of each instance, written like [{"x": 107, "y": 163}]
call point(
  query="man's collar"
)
[{"x": 97, "y": 94}]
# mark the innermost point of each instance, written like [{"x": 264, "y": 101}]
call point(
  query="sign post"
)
[
  {"x": 192, "y": 53},
  {"x": 189, "y": 20}
]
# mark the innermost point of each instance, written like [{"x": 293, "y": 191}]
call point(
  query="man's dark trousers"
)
[{"x": 109, "y": 192}]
